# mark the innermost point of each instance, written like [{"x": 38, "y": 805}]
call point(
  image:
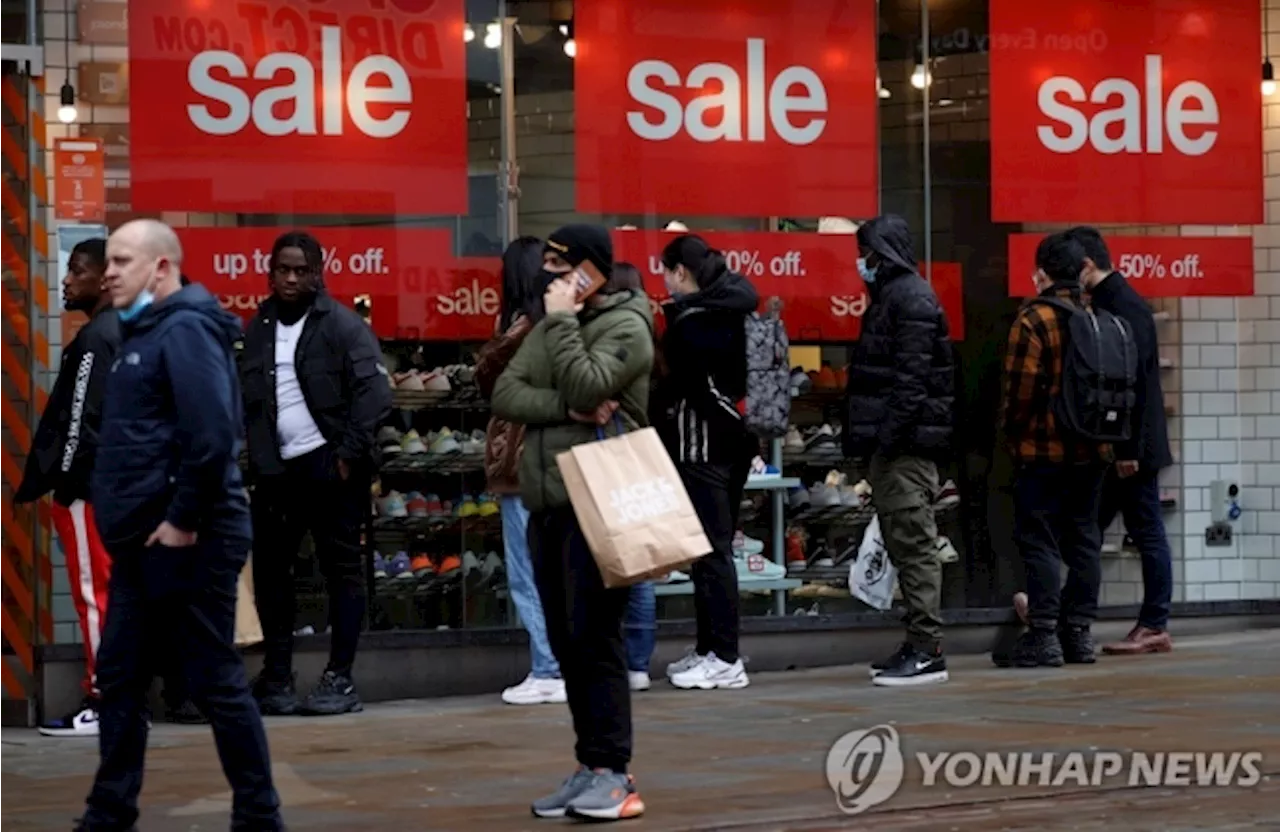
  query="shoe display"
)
[
  {"x": 794, "y": 441},
  {"x": 468, "y": 507},
  {"x": 823, "y": 438},
  {"x": 389, "y": 441},
  {"x": 416, "y": 504},
  {"x": 448, "y": 565},
  {"x": 488, "y": 506},
  {"x": 379, "y": 567},
  {"x": 422, "y": 566},
  {"x": 411, "y": 443},
  {"x": 712, "y": 673},
  {"x": 445, "y": 443},
  {"x": 81, "y": 722},
  {"x": 437, "y": 382},
  {"x": 826, "y": 379},
  {"x": 607, "y": 796},
  {"x": 333, "y": 695},
  {"x": 392, "y": 505},
  {"x": 798, "y": 498},
  {"x": 535, "y": 691},
  {"x": 801, "y": 384},
  {"x": 822, "y": 495},
  {"x": 757, "y": 568},
  {"x": 410, "y": 382},
  {"x": 399, "y": 568},
  {"x": 473, "y": 444},
  {"x": 746, "y": 545},
  {"x": 762, "y": 471}
]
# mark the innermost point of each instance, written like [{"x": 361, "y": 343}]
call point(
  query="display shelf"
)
[
  {"x": 467, "y": 398},
  {"x": 686, "y": 587},
  {"x": 437, "y": 524},
  {"x": 773, "y": 484},
  {"x": 824, "y": 456},
  {"x": 834, "y": 515},
  {"x": 429, "y": 463}
]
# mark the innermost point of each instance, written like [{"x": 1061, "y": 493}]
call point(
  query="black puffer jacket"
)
[
  {"x": 695, "y": 404},
  {"x": 901, "y": 398}
]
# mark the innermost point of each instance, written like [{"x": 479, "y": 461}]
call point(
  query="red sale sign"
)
[
  {"x": 726, "y": 107},
  {"x": 1158, "y": 267},
  {"x": 416, "y": 288},
  {"x": 1126, "y": 112},
  {"x": 298, "y": 106},
  {"x": 815, "y": 275}
]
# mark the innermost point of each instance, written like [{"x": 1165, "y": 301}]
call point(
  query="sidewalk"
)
[{"x": 749, "y": 760}]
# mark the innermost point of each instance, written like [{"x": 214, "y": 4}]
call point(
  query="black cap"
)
[{"x": 579, "y": 242}]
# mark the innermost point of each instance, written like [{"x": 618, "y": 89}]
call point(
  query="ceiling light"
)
[
  {"x": 564, "y": 29},
  {"x": 571, "y": 48},
  {"x": 492, "y": 35},
  {"x": 468, "y": 34},
  {"x": 921, "y": 79}
]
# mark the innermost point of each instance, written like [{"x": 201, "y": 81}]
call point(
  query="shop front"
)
[{"x": 417, "y": 139}]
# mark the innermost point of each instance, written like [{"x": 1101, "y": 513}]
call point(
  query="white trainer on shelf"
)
[
  {"x": 534, "y": 691},
  {"x": 712, "y": 673}
]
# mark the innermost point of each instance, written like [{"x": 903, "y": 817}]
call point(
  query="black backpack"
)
[{"x": 1099, "y": 375}]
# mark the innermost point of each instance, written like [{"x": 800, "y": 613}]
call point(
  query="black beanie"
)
[{"x": 579, "y": 242}]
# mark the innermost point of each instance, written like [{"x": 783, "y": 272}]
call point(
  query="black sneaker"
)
[
  {"x": 1038, "y": 648},
  {"x": 275, "y": 698},
  {"x": 1077, "y": 645},
  {"x": 334, "y": 694},
  {"x": 913, "y": 667},
  {"x": 894, "y": 660},
  {"x": 185, "y": 713}
]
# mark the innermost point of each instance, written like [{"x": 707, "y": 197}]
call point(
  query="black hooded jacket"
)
[
  {"x": 1149, "y": 444},
  {"x": 901, "y": 393},
  {"x": 695, "y": 404},
  {"x": 171, "y": 427}
]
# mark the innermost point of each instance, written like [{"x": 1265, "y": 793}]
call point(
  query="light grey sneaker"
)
[
  {"x": 686, "y": 662},
  {"x": 553, "y": 805},
  {"x": 609, "y": 796}
]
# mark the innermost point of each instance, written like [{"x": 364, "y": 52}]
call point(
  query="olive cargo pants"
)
[{"x": 903, "y": 489}]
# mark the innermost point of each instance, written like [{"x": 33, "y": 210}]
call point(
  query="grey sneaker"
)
[
  {"x": 554, "y": 805},
  {"x": 608, "y": 796}
]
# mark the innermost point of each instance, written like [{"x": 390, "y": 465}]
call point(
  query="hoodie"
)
[
  {"x": 171, "y": 427},
  {"x": 696, "y": 403},
  {"x": 901, "y": 397}
]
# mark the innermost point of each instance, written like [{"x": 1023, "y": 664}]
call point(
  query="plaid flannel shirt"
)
[{"x": 1032, "y": 381}]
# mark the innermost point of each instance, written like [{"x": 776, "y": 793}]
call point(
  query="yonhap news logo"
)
[{"x": 866, "y": 768}]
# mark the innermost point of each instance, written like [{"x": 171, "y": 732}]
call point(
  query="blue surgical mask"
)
[
  {"x": 144, "y": 299},
  {"x": 868, "y": 275}
]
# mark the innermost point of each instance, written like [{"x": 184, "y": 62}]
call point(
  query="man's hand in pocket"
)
[{"x": 169, "y": 535}]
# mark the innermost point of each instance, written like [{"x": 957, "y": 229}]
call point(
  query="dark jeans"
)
[
  {"x": 1137, "y": 498},
  {"x": 716, "y": 494},
  {"x": 166, "y": 603},
  {"x": 309, "y": 496},
  {"x": 1056, "y": 523},
  {"x": 584, "y": 626}
]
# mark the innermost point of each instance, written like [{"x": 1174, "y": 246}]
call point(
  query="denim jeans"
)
[
  {"x": 1138, "y": 499},
  {"x": 641, "y": 626},
  {"x": 523, "y": 589}
]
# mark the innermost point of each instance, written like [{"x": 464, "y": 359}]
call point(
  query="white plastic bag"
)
[{"x": 873, "y": 576}]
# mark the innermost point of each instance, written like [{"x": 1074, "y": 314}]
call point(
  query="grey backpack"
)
[{"x": 768, "y": 412}]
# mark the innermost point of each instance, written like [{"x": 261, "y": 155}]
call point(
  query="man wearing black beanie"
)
[{"x": 582, "y": 242}]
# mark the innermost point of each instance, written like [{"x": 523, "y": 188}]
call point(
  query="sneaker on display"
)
[
  {"x": 411, "y": 443},
  {"x": 913, "y": 667},
  {"x": 712, "y": 673},
  {"x": 946, "y": 551},
  {"x": 800, "y": 382},
  {"x": 416, "y": 504},
  {"x": 849, "y": 496},
  {"x": 798, "y": 498},
  {"x": 680, "y": 665},
  {"x": 762, "y": 471},
  {"x": 467, "y": 507},
  {"x": 398, "y": 568},
  {"x": 822, "y": 495},
  {"x": 333, "y": 695},
  {"x": 607, "y": 796},
  {"x": 535, "y": 691},
  {"x": 820, "y": 559},
  {"x": 757, "y": 568},
  {"x": 746, "y": 545},
  {"x": 392, "y": 505},
  {"x": 445, "y": 443},
  {"x": 437, "y": 382},
  {"x": 433, "y": 505},
  {"x": 639, "y": 680},
  {"x": 474, "y": 443},
  {"x": 555, "y": 804},
  {"x": 421, "y": 565},
  {"x": 379, "y": 566},
  {"x": 411, "y": 381},
  {"x": 389, "y": 440},
  {"x": 488, "y": 506},
  {"x": 794, "y": 441},
  {"x": 948, "y": 495},
  {"x": 821, "y": 439},
  {"x": 82, "y": 722}
]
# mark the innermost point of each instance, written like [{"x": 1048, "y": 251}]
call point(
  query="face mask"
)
[
  {"x": 671, "y": 280},
  {"x": 868, "y": 275},
  {"x": 144, "y": 299}
]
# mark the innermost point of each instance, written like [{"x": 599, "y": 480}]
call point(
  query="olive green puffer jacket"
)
[{"x": 575, "y": 362}]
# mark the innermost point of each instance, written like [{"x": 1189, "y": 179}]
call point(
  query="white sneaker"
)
[
  {"x": 684, "y": 663},
  {"x": 639, "y": 680},
  {"x": 81, "y": 723},
  {"x": 712, "y": 673},
  {"x": 534, "y": 691}
]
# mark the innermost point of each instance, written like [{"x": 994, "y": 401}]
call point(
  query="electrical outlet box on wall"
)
[{"x": 1218, "y": 534}]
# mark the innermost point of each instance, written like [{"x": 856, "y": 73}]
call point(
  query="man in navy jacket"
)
[
  {"x": 1132, "y": 487},
  {"x": 175, "y": 518}
]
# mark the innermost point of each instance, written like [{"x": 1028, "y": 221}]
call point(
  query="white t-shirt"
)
[{"x": 297, "y": 431}]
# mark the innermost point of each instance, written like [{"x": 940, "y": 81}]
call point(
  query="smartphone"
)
[{"x": 587, "y": 280}]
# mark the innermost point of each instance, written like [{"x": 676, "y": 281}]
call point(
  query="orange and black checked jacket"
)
[{"x": 1033, "y": 379}]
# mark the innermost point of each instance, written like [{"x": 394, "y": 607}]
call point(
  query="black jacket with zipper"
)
[
  {"x": 695, "y": 404},
  {"x": 66, "y": 440},
  {"x": 901, "y": 393},
  {"x": 1149, "y": 443},
  {"x": 339, "y": 367}
]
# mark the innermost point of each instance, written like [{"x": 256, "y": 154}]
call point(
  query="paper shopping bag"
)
[
  {"x": 872, "y": 576},
  {"x": 633, "y": 509},
  {"x": 248, "y": 628}
]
